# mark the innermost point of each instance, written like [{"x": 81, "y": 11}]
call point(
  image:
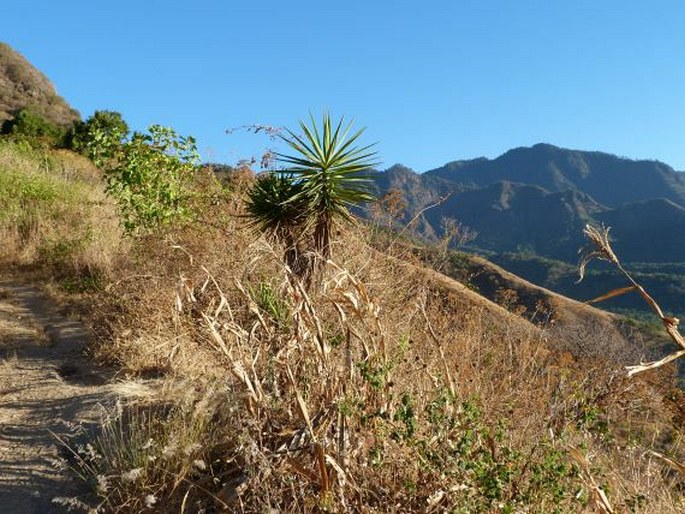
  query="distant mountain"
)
[
  {"x": 419, "y": 190},
  {"x": 609, "y": 179},
  {"x": 22, "y": 85},
  {"x": 511, "y": 217},
  {"x": 538, "y": 200},
  {"x": 648, "y": 231}
]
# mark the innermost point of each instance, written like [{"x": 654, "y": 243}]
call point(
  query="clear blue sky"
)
[{"x": 433, "y": 81}]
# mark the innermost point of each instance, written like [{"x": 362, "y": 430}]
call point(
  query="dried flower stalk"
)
[{"x": 600, "y": 248}]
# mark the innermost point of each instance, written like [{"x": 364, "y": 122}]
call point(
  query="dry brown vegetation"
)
[
  {"x": 389, "y": 388},
  {"x": 54, "y": 214},
  {"x": 22, "y": 85}
]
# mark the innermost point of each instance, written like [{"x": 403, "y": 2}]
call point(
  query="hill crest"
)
[
  {"x": 22, "y": 85},
  {"x": 609, "y": 179}
]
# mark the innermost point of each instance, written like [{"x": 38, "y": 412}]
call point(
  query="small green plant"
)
[
  {"x": 406, "y": 416},
  {"x": 268, "y": 300},
  {"x": 636, "y": 503},
  {"x": 82, "y": 283},
  {"x": 376, "y": 456},
  {"x": 375, "y": 373}
]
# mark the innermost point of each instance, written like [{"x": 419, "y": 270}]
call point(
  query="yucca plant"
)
[
  {"x": 270, "y": 205},
  {"x": 328, "y": 170},
  {"x": 271, "y": 209}
]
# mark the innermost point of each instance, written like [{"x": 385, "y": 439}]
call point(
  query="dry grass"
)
[
  {"x": 54, "y": 214},
  {"x": 390, "y": 388}
]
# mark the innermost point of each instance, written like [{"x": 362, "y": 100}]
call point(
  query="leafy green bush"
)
[
  {"x": 460, "y": 446},
  {"x": 29, "y": 126},
  {"x": 149, "y": 177},
  {"x": 95, "y": 136}
]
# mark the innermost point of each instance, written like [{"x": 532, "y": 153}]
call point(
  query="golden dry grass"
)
[
  {"x": 358, "y": 395},
  {"x": 54, "y": 213}
]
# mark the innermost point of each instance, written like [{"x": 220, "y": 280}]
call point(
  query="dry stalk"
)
[
  {"x": 600, "y": 248},
  {"x": 300, "y": 402},
  {"x": 599, "y": 497},
  {"x": 327, "y": 446},
  {"x": 306, "y": 320},
  {"x": 186, "y": 295},
  {"x": 439, "y": 201},
  {"x": 438, "y": 344},
  {"x": 357, "y": 301},
  {"x": 678, "y": 466}
]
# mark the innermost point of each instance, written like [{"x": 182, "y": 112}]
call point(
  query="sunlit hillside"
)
[{"x": 382, "y": 385}]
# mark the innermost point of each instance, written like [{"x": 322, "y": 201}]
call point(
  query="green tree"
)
[
  {"x": 97, "y": 134},
  {"x": 30, "y": 126}
]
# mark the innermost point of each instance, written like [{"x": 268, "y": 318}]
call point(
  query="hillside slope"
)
[
  {"x": 22, "y": 85},
  {"x": 416, "y": 383}
]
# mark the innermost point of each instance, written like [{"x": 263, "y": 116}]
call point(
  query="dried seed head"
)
[
  {"x": 132, "y": 475},
  {"x": 150, "y": 500},
  {"x": 599, "y": 247}
]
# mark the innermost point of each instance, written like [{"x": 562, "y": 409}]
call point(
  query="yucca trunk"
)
[
  {"x": 322, "y": 236},
  {"x": 291, "y": 255}
]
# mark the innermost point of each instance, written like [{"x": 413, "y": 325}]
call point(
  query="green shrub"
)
[
  {"x": 478, "y": 464},
  {"x": 98, "y": 134},
  {"x": 149, "y": 177},
  {"x": 31, "y": 127}
]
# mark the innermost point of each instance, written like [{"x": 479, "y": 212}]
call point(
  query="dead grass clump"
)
[{"x": 147, "y": 456}]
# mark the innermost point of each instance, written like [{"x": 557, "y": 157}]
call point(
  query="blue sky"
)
[{"x": 433, "y": 81}]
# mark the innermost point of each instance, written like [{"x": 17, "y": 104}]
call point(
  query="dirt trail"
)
[{"x": 46, "y": 385}]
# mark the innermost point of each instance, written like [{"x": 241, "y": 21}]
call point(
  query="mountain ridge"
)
[
  {"x": 539, "y": 199},
  {"x": 555, "y": 168}
]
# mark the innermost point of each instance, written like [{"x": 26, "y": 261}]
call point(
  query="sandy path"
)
[{"x": 46, "y": 386}]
